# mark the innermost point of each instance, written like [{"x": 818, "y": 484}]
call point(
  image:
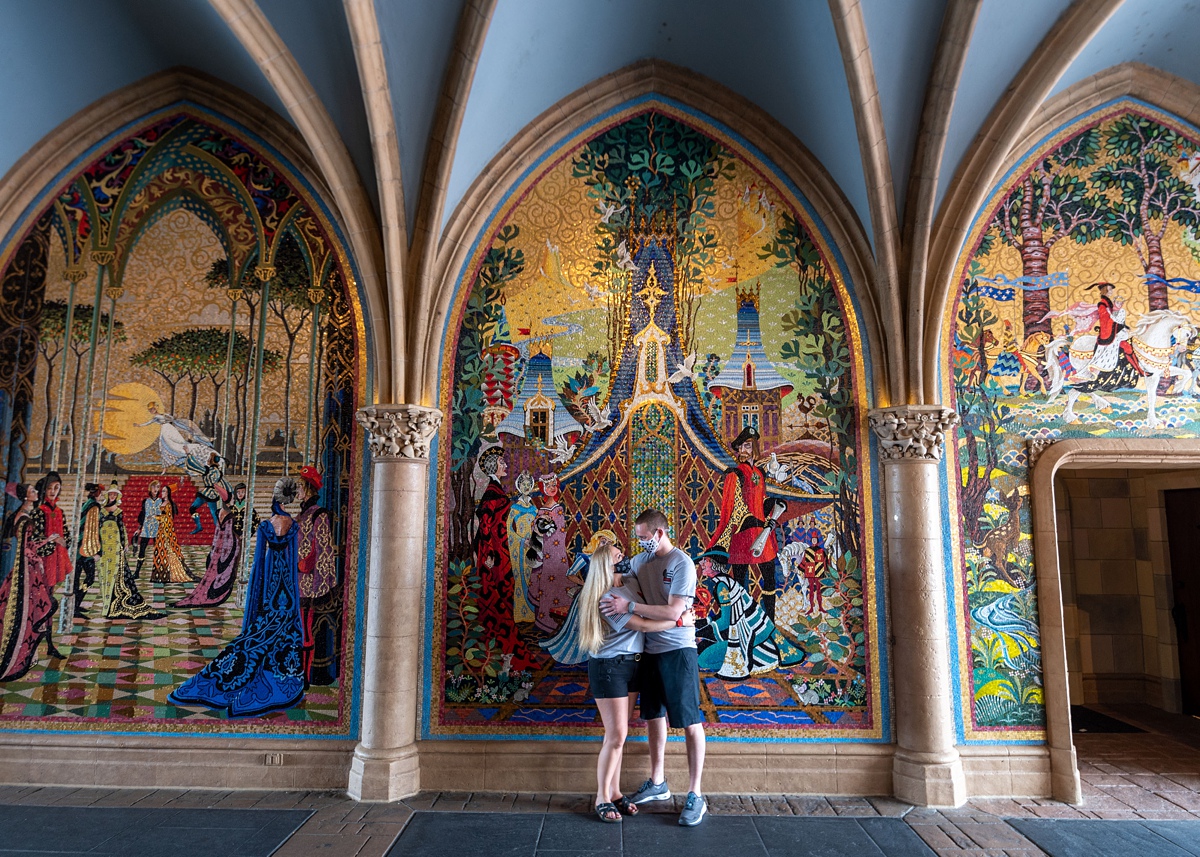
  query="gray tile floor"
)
[
  {"x": 1149, "y": 781},
  {"x": 66, "y": 831},
  {"x": 573, "y": 835}
]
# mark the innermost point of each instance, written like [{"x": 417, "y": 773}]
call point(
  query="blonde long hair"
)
[{"x": 592, "y": 626}]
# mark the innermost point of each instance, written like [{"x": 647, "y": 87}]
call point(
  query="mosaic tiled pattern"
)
[
  {"x": 123, "y": 671},
  {"x": 560, "y": 696}
]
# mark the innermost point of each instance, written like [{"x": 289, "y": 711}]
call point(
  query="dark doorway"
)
[{"x": 1183, "y": 539}]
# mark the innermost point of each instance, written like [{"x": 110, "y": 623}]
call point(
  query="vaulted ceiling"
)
[{"x": 464, "y": 77}]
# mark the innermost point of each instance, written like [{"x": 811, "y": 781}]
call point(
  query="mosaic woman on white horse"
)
[{"x": 1117, "y": 357}]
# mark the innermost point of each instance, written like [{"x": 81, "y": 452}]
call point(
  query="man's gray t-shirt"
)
[
  {"x": 621, "y": 639},
  {"x": 660, "y": 577}
]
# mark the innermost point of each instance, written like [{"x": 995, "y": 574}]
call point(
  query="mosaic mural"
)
[
  {"x": 1077, "y": 316},
  {"x": 177, "y": 333},
  {"x": 647, "y": 295}
]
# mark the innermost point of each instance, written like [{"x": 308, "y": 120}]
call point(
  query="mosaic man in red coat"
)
[
  {"x": 744, "y": 513},
  {"x": 317, "y": 554},
  {"x": 56, "y": 559}
]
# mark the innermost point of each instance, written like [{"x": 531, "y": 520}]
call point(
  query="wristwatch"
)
[{"x": 632, "y": 604}]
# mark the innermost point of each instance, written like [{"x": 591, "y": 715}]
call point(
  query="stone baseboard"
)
[
  {"x": 153, "y": 761},
  {"x": 570, "y": 767},
  {"x": 1007, "y": 771},
  {"x": 1122, "y": 689}
]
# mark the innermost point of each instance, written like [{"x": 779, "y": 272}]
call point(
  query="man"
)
[
  {"x": 148, "y": 521},
  {"x": 206, "y": 492},
  {"x": 318, "y": 575},
  {"x": 669, "y": 677},
  {"x": 89, "y": 546},
  {"x": 56, "y": 559},
  {"x": 743, "y": 518}
]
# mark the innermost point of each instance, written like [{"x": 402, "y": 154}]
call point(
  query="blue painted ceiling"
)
[
  {"x": 417, "y": 40},
  {"x": 903, "y": 36},
  {"x": 780, "y": 54},
  {"x": 1163, "y": 35},
  {"x": 318, "y": 36},
  {"x": 58, "y": 56}
]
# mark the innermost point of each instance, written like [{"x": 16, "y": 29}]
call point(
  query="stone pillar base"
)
[
  {"x": 1066, "y": 784},
  {"x": 384, "y": 775},
  {"x": 927, "y": 780}
]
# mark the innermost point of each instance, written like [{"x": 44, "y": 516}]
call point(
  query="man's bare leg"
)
[
  {"x": 656, "y": 737},
  {"x": 694, "y": 736}
]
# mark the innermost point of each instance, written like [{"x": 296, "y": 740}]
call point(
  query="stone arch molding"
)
[
  {"x": 990, "y": 337},
  {"x": 639, "y": 334},
  {"x": 545, "y": 134},
  {"x": 1048, "y": 459},
  {"x": 22, "y": 188}
]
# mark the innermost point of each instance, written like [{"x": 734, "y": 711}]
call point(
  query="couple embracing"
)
[{"x": 637, "y": 626}]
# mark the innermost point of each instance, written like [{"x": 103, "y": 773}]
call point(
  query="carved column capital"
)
[
  {"x": 912, "y": 432},
  {"x": 399, "y": 431}
]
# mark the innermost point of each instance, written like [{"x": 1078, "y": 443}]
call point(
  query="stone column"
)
[
  {"x": 385, "y": 765},
  {"x": 927, "y": 770}
]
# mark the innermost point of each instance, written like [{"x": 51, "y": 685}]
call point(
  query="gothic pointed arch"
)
[
  {"x": 1074, "y": 315},
  {"x": 188, "y": 330}
]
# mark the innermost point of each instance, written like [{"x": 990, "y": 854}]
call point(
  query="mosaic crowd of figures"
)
[
  {"x": 653, "y": 323},
  {"x": 1077, "y": 317},
  {"x": 179, "y": 334}
]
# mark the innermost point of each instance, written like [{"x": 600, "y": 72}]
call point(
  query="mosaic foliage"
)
[
  {"x": 178, "y": 335},
  {"x": 647, "y": 298},
  {"x": 1077, "y": 317}
]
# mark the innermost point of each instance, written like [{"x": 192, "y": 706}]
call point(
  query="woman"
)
[
  {"x": 27, "y": 602},
  {"x": 221, "y": 571},
  {"x": 564, "y": 646},
  {"x": 740, "y": 639},
  {"x": 521, "y": 515},
  {"x": 548, "y": 582},
  {"x": 614, "y": 646},
  {"x": 261, "y": 670},
  {"x": 168, "y": 558},
  {"x": 494, "y": 563},
  {"x": 119, "y": 587}
]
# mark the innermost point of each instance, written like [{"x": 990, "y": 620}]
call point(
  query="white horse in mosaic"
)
[{"x": 1156, "y": 338}]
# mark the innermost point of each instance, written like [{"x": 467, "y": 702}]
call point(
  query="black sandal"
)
[
  {"x": 603, "y": 811},
  {"x": 625, "y": 806}
]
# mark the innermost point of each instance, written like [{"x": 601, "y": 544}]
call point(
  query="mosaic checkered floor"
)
[{"x": 122, "y": 671}]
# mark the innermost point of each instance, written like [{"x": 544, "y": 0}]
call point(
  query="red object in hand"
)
[{"x": 703, "y": 601}]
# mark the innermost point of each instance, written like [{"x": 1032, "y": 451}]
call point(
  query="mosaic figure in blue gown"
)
[
  {"x": 261, "y": 671},
  {"x": 564, "y": 646}
]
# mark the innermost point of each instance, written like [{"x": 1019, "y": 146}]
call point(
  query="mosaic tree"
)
[
  {"x": 290, "y": 305},
  {"x": 1052, "y": 202},
  {"x": 193, "y": 355},
  {"x": 1142, "y": 193},
  {"x": 80, "y": 343},
  {"x": 654, "y": 170},
  {"x": 817, "y": 347},
  {"x": 481, "y": 323}
]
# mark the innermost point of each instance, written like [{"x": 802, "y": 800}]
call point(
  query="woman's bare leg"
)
[{"x": 614, "y": 714}]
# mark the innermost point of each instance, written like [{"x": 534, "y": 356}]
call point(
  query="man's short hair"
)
[{"x": 654, "y": 519}]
